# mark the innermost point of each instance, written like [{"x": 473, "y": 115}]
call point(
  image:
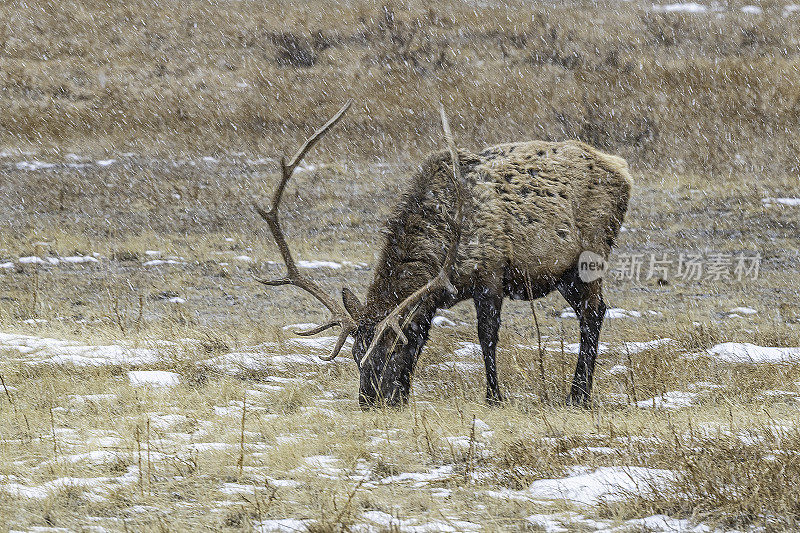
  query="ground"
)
[{"x": 149, "y": 383}]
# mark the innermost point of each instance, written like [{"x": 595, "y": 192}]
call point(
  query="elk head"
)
[{"x": 381, "y": 348}]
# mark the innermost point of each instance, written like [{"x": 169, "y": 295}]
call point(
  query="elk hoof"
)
[
  {"x": 494, "y": 399},
  {"x": 580, "y": 400}
]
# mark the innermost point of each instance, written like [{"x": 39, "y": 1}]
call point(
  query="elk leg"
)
[
  {"x": 587, "y": 301},
  {"x": 488, "y": 306}
]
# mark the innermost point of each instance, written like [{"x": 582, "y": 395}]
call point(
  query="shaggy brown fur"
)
[{"x": 532, "y": 208}]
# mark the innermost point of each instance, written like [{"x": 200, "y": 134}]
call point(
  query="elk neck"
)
[{"x": 417, "y": 236}]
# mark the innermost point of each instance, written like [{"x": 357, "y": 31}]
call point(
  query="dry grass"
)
[
  {"x": 534, "y": 437},
  {"x": 680, "y": 96},
  {"x": 733, "y": 480},
  {"x": 669, "y": 91},
  {"x": 734, "y": 454},
  {"x": 731, "y": 423}
]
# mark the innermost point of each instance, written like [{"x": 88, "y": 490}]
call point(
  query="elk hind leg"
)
[{"x": 587, "y": 301}]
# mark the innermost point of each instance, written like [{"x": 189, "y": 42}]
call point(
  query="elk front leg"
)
[
  {"x": 488, "y": 306},
  {"x": 587, "y": 301}
]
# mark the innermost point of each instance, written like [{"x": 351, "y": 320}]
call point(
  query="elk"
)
[{"x": 510, "y": 221}]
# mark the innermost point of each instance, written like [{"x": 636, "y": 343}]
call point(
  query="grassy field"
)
[
  {"x": 713, "y": 92},
  {"x": 134, "y": 146}
]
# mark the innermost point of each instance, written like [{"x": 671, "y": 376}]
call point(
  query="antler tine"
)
[
  {"x": 457, "y": 182},
  {"x": 442, "y": 278},
  {"x": 317, "y": 329},
  {"x": 338, "y": 348},
  {"x": 288, "y": 170},
  {"x": 340, "y": 315}
]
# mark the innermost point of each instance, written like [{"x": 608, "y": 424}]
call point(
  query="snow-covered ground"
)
[
  {"x": 589, "y": 488},
  {"x": 739, "y": 352},
  {"x": 155, "y": 378},
  {"x": 51, "y": 260},
  {"x": 155, "y": 259},
  {"x": 579, "y": 491},
  {"x": 614, "y": 312},
  {"x": 686, "y": 7},
  {"x": 793, "y": 202},
  {"x": 42, "y": 350}
]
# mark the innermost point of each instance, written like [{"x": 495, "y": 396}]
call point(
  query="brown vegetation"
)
[
  {"x": 671, "y": 91},
  {"x": 677, "y": 92}
]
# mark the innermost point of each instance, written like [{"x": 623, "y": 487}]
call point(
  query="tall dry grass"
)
[{"x": 712, "y": 92}]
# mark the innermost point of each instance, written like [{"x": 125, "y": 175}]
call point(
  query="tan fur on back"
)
[{"x": 538, "y": 205}]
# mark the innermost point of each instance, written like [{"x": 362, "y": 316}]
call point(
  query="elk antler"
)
[
  {"x": 340, "y": 315},
  {"x": 442, "y": 278}
]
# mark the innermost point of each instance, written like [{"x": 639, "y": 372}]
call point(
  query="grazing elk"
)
[{"x": 509, "y": 221}]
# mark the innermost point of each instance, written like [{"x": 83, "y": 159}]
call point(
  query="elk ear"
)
[{"x": 352, "y": 304}]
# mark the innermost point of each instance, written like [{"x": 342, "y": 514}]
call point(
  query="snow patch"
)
[
  {"x": 318, "y": 343},
  {"x": 319, "y": 264},
  {"x": 440, "y": 321},
  {"x": 547, "y": 523},
  {"x": 388, "y": 522},
  {"x": 77, "y": 259},
  {"x": 237, "y": 362},
  {"x": 157, "y": 262},
  {"x": 688, "y": 7},
  {"x": 165, "y": 422},
  {"x": 282, "y": 525},
  {"x": 738, "y": 352},
  {"x": 743, "y": 311},
  {"x": 791, "y": 8},
  {"x": 42, "y": 350},
  {"x": 572, "y": 521},
  {"x": 752, "y": 10},
  {"x": 664, "y": 524},
  {"x": 93, "y": 398},
  {"x": 669, "y": 400},
  {"x": 420, "y": 479},
  {"x": 469, "y": 350},
  {"x": 781, "y": 394},
  {"x": 618, "y": 370},
  {"x": 636, "y": 347},
  {"x": 210, "y": 446},
  {"x": 784, "y": 201},
  {"x": 321, "y": 465},
  {"x": 301, "y": 326},
  {"x": 32, "y": 259},
  {"x": 94, "y": 489},
  {"x": 631, "y": 346},
  {"x": 605, "y": 483},
  {"x": 34, "y": 165},
  {"x": 155, "y": 378},
  {"x": 94, "y": 457},
  {"x": 614, "y": 312}
]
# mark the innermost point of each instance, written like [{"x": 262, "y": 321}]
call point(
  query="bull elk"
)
[{"x": 511, "y": 221}]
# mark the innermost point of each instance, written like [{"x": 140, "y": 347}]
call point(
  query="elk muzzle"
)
[{"x": 385, "y": 379}]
